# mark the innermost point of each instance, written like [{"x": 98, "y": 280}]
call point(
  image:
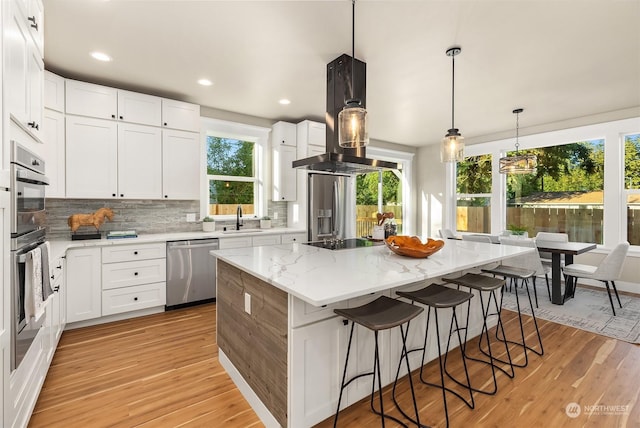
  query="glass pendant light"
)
[
  {"x": 352, "y": 119},
  {"x": 518, "y": 164},
  {"x": 452, "y": 149}
]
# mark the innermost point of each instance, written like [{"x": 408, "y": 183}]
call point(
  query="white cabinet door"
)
[
  {"x": 54, "y": 152},
  {"x": 139, "y": 108},
  {"x": 181, "y": 166},
  {"x": 139, "y": 161},
  {"x": 288, "y": 238},
  {"x": 316, "y": 364},
  {"x": 16, "y": 53},
  {"x": 283, "y": 134},
  {"x": 284, "y": 175},
  {"x": 312, "y": 133},
  {"x": 91, "y": 158},
  {"x": 53, "y": 91},
  {"x": 84, "y": 288},
  {"x": 35, "y": 84},
  {"x": 241, "y": 242},
  {"x": 257, "y": 241},
  {"x": 87, "y": 99},
  {"x": 315, "y": 150},
  {"x": 36, "y": 24},
  {"x": 180, "y": 115}
]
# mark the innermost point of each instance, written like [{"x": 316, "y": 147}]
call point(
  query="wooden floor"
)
[{"x": 163, "y": 371}]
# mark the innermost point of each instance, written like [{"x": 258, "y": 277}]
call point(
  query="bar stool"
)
[
  {"x": 483, "y": 283},
  {"x": 514, "y": 274},
  {"x": 381, "y": 314},
  {"x": 436, "y": 297}
]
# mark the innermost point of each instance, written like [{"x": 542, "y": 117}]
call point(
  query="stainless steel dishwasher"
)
[{"x": 191, "y": 272}]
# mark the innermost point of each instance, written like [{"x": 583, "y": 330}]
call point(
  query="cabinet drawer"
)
[
  {"x": 265, "y": 240},
  {"x": 294, "y": 237},
  {"x": 133, "y": 298},
  {"x": 242, "y": 242},
  {"x": 126, "y": 274},
  {"x": 304, "y": 313},
  {"x": 127, "y": 253}
]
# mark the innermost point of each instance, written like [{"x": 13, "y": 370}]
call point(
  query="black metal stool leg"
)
[
  {"x": 535, "y": 323},
  {"x": 344, "y": 375}
]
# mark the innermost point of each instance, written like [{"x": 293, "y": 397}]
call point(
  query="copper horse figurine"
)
[{"x": 96, "y": 219}]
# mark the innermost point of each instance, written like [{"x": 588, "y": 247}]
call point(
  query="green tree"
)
[
  {"x": 367, "y": 188},
  {"x": 233, "y": 158},
  {"x": 473, "y": 175},
  {"x": 632, "y": 161}
]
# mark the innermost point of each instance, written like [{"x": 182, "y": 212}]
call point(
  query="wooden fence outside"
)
[
  {"x": 583, "y": 224},
  {"x": 366, "y": 218}
]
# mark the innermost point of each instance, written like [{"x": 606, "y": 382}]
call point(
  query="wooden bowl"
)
[{"x": 412, "y": 246}]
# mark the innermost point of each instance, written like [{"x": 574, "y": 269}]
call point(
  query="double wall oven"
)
[{"x": 27, "y": 233}]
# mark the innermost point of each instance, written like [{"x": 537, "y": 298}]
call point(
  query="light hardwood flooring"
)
[{"x": 163, "y": 371}]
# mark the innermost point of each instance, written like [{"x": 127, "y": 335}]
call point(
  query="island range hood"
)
[{"x": 339, "y": 159}]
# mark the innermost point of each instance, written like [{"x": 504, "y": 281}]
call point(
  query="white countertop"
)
[
  {"x": 320, "y": 276},
  {"x": 60, "y": 246}
]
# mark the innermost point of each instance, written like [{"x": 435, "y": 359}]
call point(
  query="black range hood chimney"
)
[{"x": 339, "y": 159}]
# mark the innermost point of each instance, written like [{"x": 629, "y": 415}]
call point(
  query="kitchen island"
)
[{"x": 280, "y": 340}]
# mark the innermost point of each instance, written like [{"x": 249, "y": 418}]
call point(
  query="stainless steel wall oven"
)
[{"x": 27, "y": 233}]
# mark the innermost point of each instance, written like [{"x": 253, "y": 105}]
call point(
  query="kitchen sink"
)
[{"x": 231, "y": 232}]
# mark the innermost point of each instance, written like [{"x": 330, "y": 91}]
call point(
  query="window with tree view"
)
[
  {"x": 231, "y": 175},
  {"x": 632, "y": 186},
  {"x": 473, "y": 194},
  {"x": 378, "y": 192},
  {"x": 565, "y": 195}
]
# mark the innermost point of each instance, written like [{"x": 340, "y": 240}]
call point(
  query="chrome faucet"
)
[{"x": 239, "y": 222}]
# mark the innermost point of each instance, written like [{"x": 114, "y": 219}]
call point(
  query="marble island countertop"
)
[{"x": 319, "y": 276}]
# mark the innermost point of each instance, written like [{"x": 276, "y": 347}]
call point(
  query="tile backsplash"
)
[{"x": 144, "y": 216}]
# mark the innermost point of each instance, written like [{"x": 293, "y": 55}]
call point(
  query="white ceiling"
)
[{"x": 557, "y": 59}]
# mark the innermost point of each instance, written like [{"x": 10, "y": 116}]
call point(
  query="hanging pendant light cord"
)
[
  {"x": 517, "y": 132},
  {"x": 353, "y": 47},
  {"x": 453, "y": 88}
]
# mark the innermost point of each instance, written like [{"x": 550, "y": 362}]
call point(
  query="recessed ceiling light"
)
[
  {"x": 284, "y": 102},
  {"x": 205, "y": 82},
  {"x": 100, "y": 56}
]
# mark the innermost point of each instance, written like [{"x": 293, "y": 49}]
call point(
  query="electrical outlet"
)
[
  {"x": 191, "y": 217},
  {"x": 275, "y": 215},
  {"x": 247, "y": 303}
]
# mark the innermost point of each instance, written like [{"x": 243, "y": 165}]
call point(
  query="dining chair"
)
[
  {"x": 528, "y": 262},
  {"x": 446, "y": 233},
  {"x": 545, "y": 256},
  {"x": 477, "y": 238},
  {"x": 608, "y": 270}
]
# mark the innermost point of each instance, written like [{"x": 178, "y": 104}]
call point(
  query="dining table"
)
[{"x": 569, "y": 249}]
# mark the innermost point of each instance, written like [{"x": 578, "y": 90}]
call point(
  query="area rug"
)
[{"x": 589, "y": 310}]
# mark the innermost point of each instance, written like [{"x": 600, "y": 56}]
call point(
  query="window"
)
[
  {"x": 378, "y": 192},
  {"x": 565, "y": 195},
  {"x": 231, "y": 175},
  {"x": 473, "y": 194},
  {"x": 632, "y": 186},
  {"x": 234, "y": 168}
]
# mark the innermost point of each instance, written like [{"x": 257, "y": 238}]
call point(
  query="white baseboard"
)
[
  {"x": 116, "y": 317},
  {"x": 256, "y": 404}
]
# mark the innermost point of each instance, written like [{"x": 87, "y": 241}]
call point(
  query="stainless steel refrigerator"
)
[{"x": 331, "y": 208}]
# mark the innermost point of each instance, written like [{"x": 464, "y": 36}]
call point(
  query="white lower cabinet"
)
[
  {"x": 316, "y": 363},
  {"x": 294, "y": 237},
  {"x": 119, "y": 300},
  {"x": 84, "y": 285}
]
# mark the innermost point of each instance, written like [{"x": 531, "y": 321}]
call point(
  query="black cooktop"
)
[{"x": 344, "y": 244}]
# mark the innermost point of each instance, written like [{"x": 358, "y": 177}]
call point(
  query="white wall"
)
[{"x": 430, "y": 190}]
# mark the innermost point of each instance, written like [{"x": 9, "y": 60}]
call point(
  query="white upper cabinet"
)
[
  {"x": 180, "y": 115},
  {"x": 16, "y": 54},
  {"x": 181, "y": 166},
  {"x": 53, "y": 91},
  {"x": 283, "y": 134},
  {"x": 54, "y": 150},
  {"x": 139, "y": 161},
  {"x": 35, "y": 20},
  {"x": 87, "y": 99},
  {"x": 312, "y": 133},
  {"x": 91, "y": 158},
  {"x": 139, "y": 108},
  {"x": 283, "y": 140},
  {"x": 35, "y": 89}
]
